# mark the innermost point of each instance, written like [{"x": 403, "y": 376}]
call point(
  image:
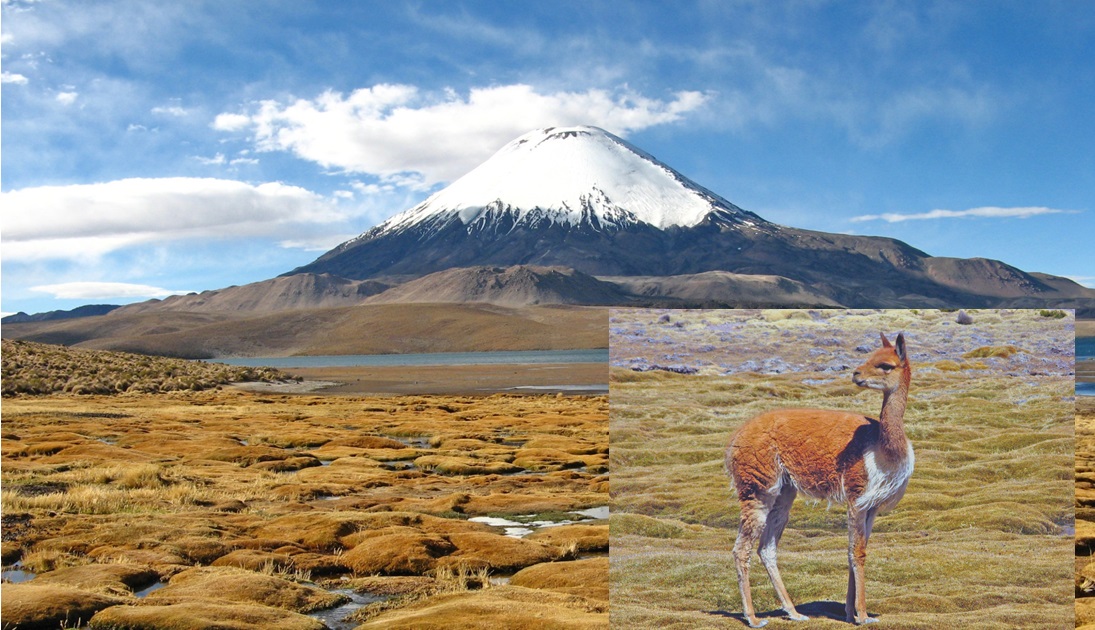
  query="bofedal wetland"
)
[
  {"x": 983, "y": 537},
  {"x": 262, "y": 510}
]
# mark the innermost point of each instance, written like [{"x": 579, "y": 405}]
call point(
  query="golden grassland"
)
[
  {"x": 257, "y": 510},
  {"x": 982, "y": 539},
  {"x": 1085, "y": 511},
  {"x": 38, "y": 368}
]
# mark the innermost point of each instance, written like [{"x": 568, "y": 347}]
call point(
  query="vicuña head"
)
[{"x": 839, "y": 456}]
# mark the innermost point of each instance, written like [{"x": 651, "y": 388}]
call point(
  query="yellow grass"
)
[{"x": 275, "y": 490}]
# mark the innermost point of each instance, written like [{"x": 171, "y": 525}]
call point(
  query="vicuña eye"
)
[{"x": 885, "y": 367}]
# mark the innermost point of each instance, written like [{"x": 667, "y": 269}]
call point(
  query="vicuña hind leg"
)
[
  {"x": 754, "y": 513},
  {"x": 860, "y": 525},
  {"x": 769, "y": 540}
]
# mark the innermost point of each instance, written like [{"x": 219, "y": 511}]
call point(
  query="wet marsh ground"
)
[
  {"x": 258, "y": 510},
  {"x": 982, "y": 539}
]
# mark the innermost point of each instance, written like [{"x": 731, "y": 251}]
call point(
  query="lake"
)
[
  {"x": 1085, "y": 348},
  {"x": 1085, "y": 351},
  {"x": 599, "y": 355}
]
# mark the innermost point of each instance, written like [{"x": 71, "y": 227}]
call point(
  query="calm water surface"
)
[
  {"x": 433, "y": 358},
  {"x": 1085, "y": 351}
]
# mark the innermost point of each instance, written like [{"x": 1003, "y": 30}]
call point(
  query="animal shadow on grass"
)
[{"x": 818, "y": 609}]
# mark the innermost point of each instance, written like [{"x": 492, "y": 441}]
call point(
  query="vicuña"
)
[{"x": 837, "y": 456}]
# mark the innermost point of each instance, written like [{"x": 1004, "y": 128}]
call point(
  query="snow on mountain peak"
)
[{"x": 568, "y": 175}]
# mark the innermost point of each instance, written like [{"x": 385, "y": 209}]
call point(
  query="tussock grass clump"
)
[
  {"x": 31, "y": 605},
  {"x": 202, "y": 614},
  {"x": 37, "y": 368},
  {"x": 639, "y": 525},
  {"x": 985, "y": 352}
]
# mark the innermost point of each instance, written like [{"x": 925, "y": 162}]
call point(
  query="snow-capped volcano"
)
[
  {"x": 582, "y": 198},
  {"x": 571, "y": 176}
]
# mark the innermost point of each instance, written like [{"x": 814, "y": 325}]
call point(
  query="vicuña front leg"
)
[{"x": 859, "y": 532}]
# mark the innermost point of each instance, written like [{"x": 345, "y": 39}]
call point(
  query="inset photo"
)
[{"x": 821, "y": 468}]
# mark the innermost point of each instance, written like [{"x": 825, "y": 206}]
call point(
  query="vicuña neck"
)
[{"x": 892, "y": 440}]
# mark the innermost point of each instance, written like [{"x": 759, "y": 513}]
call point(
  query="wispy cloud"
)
[
  {"x": 990, "y": 212},
  {"x": 104, "y": 290},
  {"x": 400, "y": 133},
  {"x": 13, "y": 77},
  {"x": 86, "y": 221},
  {"x": 170, "y": 110}
]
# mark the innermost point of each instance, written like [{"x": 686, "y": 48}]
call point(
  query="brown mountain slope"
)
[
  {"x": 719, "y": 288},
  {"x": 987, "y": 277},
  {"x": 371, "y": 329},
  {"x": 520, "y": 285},
  {"x": 305, "y": 290}
]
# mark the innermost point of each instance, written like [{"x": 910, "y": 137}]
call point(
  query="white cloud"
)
[
  {"x": 170, "y": 110},
  {"x": 983, "y": 212},
  {"x": 317, "y": 244},
  {"x": 13, "y": 77},
  {"x": 103, "y": 290},
  {"x": 67, "y": 98},
  {"x": 216, "y": 159},
  {"x": 231, "y": 122},
  {"x": 87, "y": 221},
  {"x": 416, "y": 139}
]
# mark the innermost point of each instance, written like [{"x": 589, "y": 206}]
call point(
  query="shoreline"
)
[{"x": 530, "y": 378}]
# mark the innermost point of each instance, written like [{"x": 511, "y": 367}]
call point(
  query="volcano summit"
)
[{"x": 582, "y": 198}]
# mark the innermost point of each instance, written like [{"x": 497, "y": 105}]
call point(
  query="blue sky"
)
[{"x": 151, "y": 148}]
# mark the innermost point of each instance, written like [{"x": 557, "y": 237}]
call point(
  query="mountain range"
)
[{"x": 578, "y": 216}]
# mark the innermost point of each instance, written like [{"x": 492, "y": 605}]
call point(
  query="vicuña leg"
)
[
  {"x": 769, "y": 540},
  {"x": 860, "y": 525},
  {"x": 754, "y": 514}
]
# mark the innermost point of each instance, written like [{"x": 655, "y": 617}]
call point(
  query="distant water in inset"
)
[
  {"x": 1085, "y": 351},
  {"x": 1085, "y": 348},
  {"x": 599, "y": 355}
]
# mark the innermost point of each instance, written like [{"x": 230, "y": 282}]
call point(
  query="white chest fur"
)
[{"x": 885, "y": 483}]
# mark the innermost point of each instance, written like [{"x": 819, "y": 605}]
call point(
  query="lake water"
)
[
  {"x": 434, "y": 358},
  {"x": 1085, "y": 350}
]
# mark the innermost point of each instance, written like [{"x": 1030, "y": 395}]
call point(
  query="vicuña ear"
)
[
  {"x": 901, "y": 346},
  {"x": 885, "y": 342}
]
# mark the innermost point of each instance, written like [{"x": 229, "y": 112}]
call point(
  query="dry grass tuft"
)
[{"x": 37, "y": 368}]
